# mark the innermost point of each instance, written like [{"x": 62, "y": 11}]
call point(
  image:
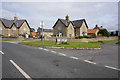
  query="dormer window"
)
[{"x": 14, "y": 28}]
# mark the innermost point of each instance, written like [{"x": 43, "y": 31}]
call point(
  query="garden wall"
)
[{"x": 93, "y": 39}]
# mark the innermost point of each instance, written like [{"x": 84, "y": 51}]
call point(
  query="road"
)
[{"x": 42, "y": 63}]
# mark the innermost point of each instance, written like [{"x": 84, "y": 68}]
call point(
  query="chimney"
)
[
  {"x": 96, "y": 25},
  {"x": 101, "y": 26},
  {"x": 67, "y": 18},
  {"x": 15, "y": 18}
]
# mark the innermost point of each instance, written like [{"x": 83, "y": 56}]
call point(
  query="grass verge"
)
[{"x": 69, "y": 44}]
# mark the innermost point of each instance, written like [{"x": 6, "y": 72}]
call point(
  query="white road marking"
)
[
  {"x": 53, "y": 52},
  {"x": 40, "y": 48},
  {"x": 62, "y": 54},
  {"x": 89, "y": 62},
  {"x": 73, "y": 57},
  {"x": 111, "y": 67},
  {"x": 46, "y": 49},
  {"x": 1, "y": 52},
  {"x": 23, "y": 73}
]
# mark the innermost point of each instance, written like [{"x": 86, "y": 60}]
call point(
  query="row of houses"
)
[
  {"x": 62, "y": 28},
  {"x": 14, "y": 27},
  {"x": 70, "y": 29}
]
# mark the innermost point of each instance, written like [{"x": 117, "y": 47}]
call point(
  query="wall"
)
[
  {"x": 21, "y": 29},
  {"x": 81, "y": 29},
  {"x": 93, "y": 39},
  {"x": 70, "y": 31},
  {"x": 63, "y": 30}
]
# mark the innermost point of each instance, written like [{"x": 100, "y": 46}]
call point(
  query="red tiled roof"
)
[
  {"x": 90, "y": 31},
  {"x": 33, "y": 33}
]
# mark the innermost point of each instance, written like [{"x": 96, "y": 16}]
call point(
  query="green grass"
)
[
  {"x": 107, "y": 41},
  {"x": 69, "y": 44},
  {"x": 7, "y": 40}
]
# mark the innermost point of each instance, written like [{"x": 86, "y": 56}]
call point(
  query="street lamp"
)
[{"x": 42, "y": 24}]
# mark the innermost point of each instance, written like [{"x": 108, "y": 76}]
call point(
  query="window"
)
[
  {"x": 70, "y": 27},
  {"x": 70, "y": 35},
  {"x": 59, "y": 27},
  {"x": 24, "y": 28},
  {"x": 1, "y": 28},
  {"x": 14, "y": 28},
  {"x": 83, "y": 28}
]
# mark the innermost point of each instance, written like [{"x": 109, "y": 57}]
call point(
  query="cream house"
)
[
  {"x": 14, "y": 27},
  {"x": 70, "y": 29}
]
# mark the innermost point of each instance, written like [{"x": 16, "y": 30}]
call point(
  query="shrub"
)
[
  {"x": 93, "y": 35},
  {"x": 1, "y": 35},
  {"x": 104, "y": 32},
  {"x": 30, "y": 36}
]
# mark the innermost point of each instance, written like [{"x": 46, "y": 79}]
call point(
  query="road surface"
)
[{"x": 19, "y": 61}]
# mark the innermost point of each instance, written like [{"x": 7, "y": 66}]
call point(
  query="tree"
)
[
  {"x": 39, "y": 29},
  {"x": 116, "y": 34},
  {"x": 104, "y": 32},
  {"x": 112, "y": 34},
  {"x": 32, "y": 30}
]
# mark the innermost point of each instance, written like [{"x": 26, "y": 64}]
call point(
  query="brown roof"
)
[
  {"x": 33, "y": 33},
  {"x": 91, "y": 31}
]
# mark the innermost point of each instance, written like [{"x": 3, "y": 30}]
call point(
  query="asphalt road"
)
[{"x": 39, "y": 63}]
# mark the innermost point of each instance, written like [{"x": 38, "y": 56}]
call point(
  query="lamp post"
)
[{"x": 42, "y": 24}]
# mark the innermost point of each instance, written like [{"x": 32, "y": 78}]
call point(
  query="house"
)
[
  {"x": 46, "y": 32},
  {"x": 70, "y": 29},
  {"x": 33, "y": 34},
  {"x": 14, "y": 27},
  {"x": 92, "y": 31},
  {"x": 100, "y": 28}
]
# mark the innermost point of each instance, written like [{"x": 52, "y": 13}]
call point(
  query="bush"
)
[
  {"x": 93, "y": 36},
  {"x": 104, "y": 32},
  {"x": 79, "y": 37},
  {"x": 30, "y": 36},
  {"x": 1, "y": 35}
]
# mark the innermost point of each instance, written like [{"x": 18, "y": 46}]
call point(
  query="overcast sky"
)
[{"x": 102, "y": 13}]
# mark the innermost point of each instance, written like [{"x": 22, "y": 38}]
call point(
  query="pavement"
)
[{"x": 20, "y": 61}]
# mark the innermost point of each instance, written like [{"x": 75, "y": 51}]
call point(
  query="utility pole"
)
[{"x": 42, "y": 24}]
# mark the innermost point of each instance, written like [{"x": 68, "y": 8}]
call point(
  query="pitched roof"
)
[
  {"x": 98, "y": 27},
  {"x": 9, "y": 23},
  {"x": 48, "y": 30},
  {"x": 76, "y": 23},
  {"x": 91, "y": 31}
]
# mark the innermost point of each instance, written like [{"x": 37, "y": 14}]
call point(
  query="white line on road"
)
[
  {"x": 46, "y": 49},
  {"x": 1, "y": 52},
  {"x": 89, "y": 62},
  {"x": 73, "y": 57},
  {"x": 112, "y": 67},
  {"x": 40, "y": 48},
  {"x": 23, "y": 73},
  {"x": 62, "y": 54},
  {"x": 53, "y": 52}
]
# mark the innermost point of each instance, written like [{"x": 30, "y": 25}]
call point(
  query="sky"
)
[{"x": 102, "y": 13}]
